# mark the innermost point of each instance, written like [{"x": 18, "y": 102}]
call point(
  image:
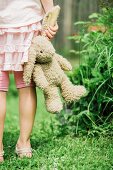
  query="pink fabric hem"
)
[
  {"x": 18, "y": 76},
  {"x": 14, "y": 46},
  {"x": 28, "y": 28}
]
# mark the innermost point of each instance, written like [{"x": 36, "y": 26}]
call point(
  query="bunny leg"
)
[
  {"x": 53, "y": 100},
  {"x": 71, "y": 92}
]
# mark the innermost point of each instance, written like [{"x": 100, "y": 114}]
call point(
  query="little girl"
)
[{"x": 19, "y": 23}]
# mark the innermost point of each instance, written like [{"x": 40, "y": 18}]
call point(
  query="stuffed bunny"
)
[{"x": 47, "y": 67}]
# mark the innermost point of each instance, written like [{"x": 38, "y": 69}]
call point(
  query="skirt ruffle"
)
[{"x": 14, "y": 46}]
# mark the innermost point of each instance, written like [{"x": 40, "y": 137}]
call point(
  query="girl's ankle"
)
[
  {"x": 1, "y": 153},
  {"x": 22, "y": 142},
  {"x": 1, "y": 147}
]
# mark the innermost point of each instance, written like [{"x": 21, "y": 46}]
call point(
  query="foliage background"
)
[{"x": 93, "y": 114}]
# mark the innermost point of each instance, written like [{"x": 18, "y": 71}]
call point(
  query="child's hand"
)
[{"x": 51, "y": 31}]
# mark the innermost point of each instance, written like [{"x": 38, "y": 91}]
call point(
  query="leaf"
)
[
  {"x": 94, "y": 15},
  {"x": 96, "y": 73},
  {"x": 82, "y": 23}
]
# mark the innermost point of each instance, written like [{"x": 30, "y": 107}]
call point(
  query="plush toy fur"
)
[{"x": 47, "y": 67}]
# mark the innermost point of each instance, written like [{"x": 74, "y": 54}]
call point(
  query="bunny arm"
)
[
  {"x": 63, "y": 62},
  {"x": 39, "y": 77},
  {"x": 29, "y": 66}
]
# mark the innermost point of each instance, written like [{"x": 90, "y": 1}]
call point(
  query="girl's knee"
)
[
  {"x": 2, "y": 94},
  {"x": 27, "y": 90}
]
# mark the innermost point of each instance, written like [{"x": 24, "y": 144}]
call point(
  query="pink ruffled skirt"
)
[{"x": 14, "y": 46}]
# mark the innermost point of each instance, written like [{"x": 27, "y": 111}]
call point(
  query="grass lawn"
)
[{"x": 52, "y": 152}]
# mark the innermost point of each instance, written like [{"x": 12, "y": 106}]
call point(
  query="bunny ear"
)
[
  {"x": 50, "y": 17},
  {"x": 29, "y": 66}
]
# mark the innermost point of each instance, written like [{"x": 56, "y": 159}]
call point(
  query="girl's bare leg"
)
[
  {"x": 2, "y": 119},
  {"x": 27, "y": 109}
]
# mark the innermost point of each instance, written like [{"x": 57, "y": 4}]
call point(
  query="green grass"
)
[{"x": 52, "y": 152}]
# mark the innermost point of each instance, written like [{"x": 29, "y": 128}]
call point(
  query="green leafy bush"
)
[
  {"x": 93, "y": 113},
  {"x": 107, "y": 3}
]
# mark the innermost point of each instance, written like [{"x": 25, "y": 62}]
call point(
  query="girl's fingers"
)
[
  {"x": 51, "y": 32},
  {"x": 48, "y": 34},
  {"x": 55, "y": 28}
]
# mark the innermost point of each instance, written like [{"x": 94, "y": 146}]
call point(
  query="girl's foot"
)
[
  {"x": 1, "y": 155},
  {"x": 23, "y": 149}
]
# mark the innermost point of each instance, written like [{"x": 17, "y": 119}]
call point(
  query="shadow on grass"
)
[{"x": 10, "y": 139}]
